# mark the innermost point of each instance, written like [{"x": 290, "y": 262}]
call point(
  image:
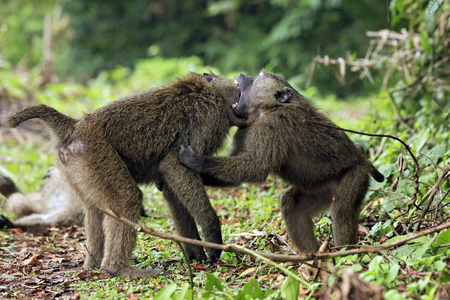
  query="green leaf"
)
[
  {"x": 251, "y": 289},
  {"x": 440, "y": 265},
  {"x": 437, "y": 152},
  {"x": 393, "y": 271},
  {"x": 422, "y": 249},
  {"x": 212, "y": 282},
  {"x": 421, "y": 140},
  {"x": 290, "y": 288},
  {"x": 425, "y": 41},
  {"x": 433, "y": 6},
  {"x": 356, "y": 268},
  {"x": 399, "y": 237},
  {"x": 185, "y": 293},
  {"x": 166, "y": 292},
  {"x": 443, "y": 238}
]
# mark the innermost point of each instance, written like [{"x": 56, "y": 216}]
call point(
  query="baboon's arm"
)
[
  {"x": 257, "y": 151},
  {"x": 213, "y": 181},
  {"x": 231, "y": 171}
]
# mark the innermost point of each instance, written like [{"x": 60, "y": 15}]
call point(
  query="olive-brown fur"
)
[
  {"x": 135, "y": 140},
  {"x": 324, "y": 167}
]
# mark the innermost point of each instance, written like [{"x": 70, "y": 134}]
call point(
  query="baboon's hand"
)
[{"x": 190, "y": 158}]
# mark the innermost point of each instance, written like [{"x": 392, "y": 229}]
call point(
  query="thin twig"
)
[
  {"x": 416, "y": 163},
  {"x": 188, "y": 262},
  {"x": 433, "y": 191}
]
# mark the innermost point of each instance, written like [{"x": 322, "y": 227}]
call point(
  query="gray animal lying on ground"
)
[{"x": 53, "y": 204}]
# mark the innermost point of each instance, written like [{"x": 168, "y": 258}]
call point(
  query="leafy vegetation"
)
[
  {"x": 233, "y": 35},
  {"x": 413, "y": 106}
]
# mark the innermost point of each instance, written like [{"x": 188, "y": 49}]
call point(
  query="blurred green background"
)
[{"x": 232, "y": 35}]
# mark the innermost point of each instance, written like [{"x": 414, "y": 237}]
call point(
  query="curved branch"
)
[
  {"x": 302, "y": 257},
  {"x": 416, "y": 163}
]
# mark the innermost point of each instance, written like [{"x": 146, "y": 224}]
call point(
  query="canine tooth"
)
[
  {"x": 236, "y": 84},
  {"x": 233, "y": 106}
]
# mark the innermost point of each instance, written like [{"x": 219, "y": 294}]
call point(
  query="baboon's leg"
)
[
  {"x": 185, "y": 225},
  {"x": 16, "y": 202},
  {"x": 188, "y": 188},
  {"x": 95, "y": 238},
  {"x": 93, "y": 217},
  {"x": 345, "y": 208},
  {"x": 47, "y": 219},
  {"x": 297, "y": 214},
  {"x": 104, "y": 180}
]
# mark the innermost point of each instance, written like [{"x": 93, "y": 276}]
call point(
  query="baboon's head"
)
[
  {"x": 230, "y": 94},
  {"x": 265, "y": 90}
]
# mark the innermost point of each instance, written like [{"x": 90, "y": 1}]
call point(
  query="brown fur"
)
[
  {"x": 323, "y": 166},
  {"x": 134, "y": 140}
]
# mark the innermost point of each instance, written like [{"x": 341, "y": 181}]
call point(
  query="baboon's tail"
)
[
  {"x": 59, "y": 123},
  {"x": 376, "y": 174},
  {"x": 373, "y": 171}
]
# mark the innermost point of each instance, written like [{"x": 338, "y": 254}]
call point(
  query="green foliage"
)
[
  {"x": 24, "y": 164},
  {"x": 290, "y": 288},
  {"x": 21, "y": 27},
  {"x": 175, "y": 292},
  {"x": 236, "y": 38},
  {"x": 424, "y": 91},
  {"x": 232, "y": 35},
  {"x": 251, "y": 290}
]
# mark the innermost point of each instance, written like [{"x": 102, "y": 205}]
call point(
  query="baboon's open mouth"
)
[{"x": 233, "y": 106}]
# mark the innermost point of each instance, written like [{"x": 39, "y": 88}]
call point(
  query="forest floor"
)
[{"x": 42, "y": 265}]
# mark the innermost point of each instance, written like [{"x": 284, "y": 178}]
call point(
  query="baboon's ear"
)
[
  {"x": 208, "y": 77},
  {"x": 283, "y": 96}
]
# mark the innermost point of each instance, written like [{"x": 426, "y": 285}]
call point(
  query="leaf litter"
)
[{"x": 42, "y": 266}]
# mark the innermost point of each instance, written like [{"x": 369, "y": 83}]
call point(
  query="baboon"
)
[
  {"x": 323, "y": 166},
  {"x": 53, "y": 204},
  {"x": 136, "y": 140}
]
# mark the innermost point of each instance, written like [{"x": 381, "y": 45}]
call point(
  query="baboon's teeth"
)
[
  {"x": 236, "y": 84},
  {"x": 233, "y": 106}
]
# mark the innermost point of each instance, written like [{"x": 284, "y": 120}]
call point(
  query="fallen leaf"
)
[
  {"x": 248, "y": 272},
  {"x": 33, "y": 260},
  {"x": 17, "y": 230},
  {"x": 198, "y": 267}
]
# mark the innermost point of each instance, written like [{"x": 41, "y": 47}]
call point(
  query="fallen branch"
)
[{"x": 302, "y": 257}]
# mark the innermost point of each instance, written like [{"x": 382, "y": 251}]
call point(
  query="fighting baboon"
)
[
  {"x": 136, "y": 139},
  {"x": 53, "y": 204},
  {"x": 323, "y": 166}
]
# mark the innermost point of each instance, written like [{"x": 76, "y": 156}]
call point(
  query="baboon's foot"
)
[
  {"x": 213, "y": 254},
  {"x": 213, "y": 235},
  {"x": 194, "y": 252},
  {"x": 90, "y": 263},
  {"x": 132, "y": 271}
]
